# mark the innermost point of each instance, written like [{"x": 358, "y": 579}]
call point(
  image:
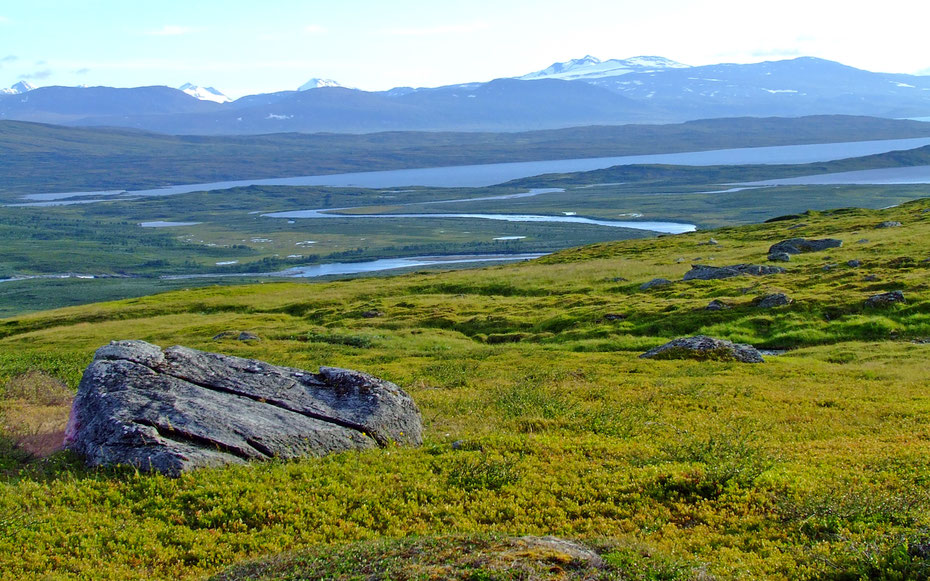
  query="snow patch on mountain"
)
[
  {"x": 204, "y": 93},
  {"x": 316, "y": 83},
  {"x": 17, "y": 89},
  {"x": 591, "y": 67}
]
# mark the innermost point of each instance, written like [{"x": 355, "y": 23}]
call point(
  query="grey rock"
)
[
  {"x": 773, "y": 300},
  {"x": 779, "y": 257},
  {"x": 829, "y": 267},
  {"x": 854, "y": 263},
  {"x": 372, "y": 314},
  {"x": 802, "y": 245},
  {"x": 870, "y": 278},
  {"x": 178, "y": 409},
  {"x": 656, "y": 282},
  {"x": 703, "y": 272},
  {"x": 796, "y": 226},
  {"x": 247, "y": 336},
  {"x": 237, "y": 335},
  {"x": 888, "y": 224},
  {"x": 716, "y": 305},
  {"x": 884, "y": 299},
  {"x": 862, "y": 241},
  {"x": 711, "y": 242},
  {"x": 704, "y": 347}
]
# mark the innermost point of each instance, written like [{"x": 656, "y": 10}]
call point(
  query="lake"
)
[{"x": 496, "y": 173}]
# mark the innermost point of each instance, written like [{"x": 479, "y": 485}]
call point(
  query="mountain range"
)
[{"x": 586, "y": 91}]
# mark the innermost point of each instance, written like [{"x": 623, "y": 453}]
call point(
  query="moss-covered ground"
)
[{"x": 812, "y": 465}]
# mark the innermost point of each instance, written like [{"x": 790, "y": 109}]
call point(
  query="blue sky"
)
[{"x": 245, "y": 47}]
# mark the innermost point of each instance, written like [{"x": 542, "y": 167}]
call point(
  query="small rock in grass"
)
[
  {"x": 829, "y": 267},
  {"x": 854, "y": 263},
  {"x": 884, "y": 299},
  {"x": 654, "y": 283},
  {"x": 716, "y": 305},
  {"x": 372, "y": 314},
  {"x": 870, "y": 278},
  {"x": 888, "y": 224},
  {"x": 801, "y": 245},
  {"x": 246, "y": 336},
  {"x": 702, "y": 272},
  {"x": 773, "y": 300},
  {"x": 780, "y": 257},
  {"x": 703, "y": 347}
]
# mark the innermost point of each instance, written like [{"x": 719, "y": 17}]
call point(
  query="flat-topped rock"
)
[
  {"x": 802, "y": 245},
  {"x": 884, "y": 299},
  {"x": 655, "y": 283},
  {"x": 705, "y": 348},
  {"x": 704, "y": 272},
  {"x": 178, "y": 409}
]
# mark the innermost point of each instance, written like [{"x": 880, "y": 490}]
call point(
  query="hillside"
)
[{"x": 811, "y": 465}]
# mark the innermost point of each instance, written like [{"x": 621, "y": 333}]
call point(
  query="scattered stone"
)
[
  {"x": 796, "y": 226},
  {"x": 705, "y": 348},
  {"x": 888, "y": 224},
  {"x": 178, "y": 409},
  {"x": 679, "y": 260},
  {"x": 870, "y": 278},
  {"x": 619, "y": 279},
  {"x": 780, "y": 257},
  {"x": 656, "y": 282},
  {"x": 372, "y": 314},
  {"x": 237, "y": 335},
  {"x": 773, "y": 300},
  {"x": 829, "y": 267},
  {"x": 711, "y": 242},
  {"x": 614, "y": 316},
  {"x": 885, "y": 299},
  {"x": 801, "y": 245},
  {"x": 853, "y": 263},
  {"x": 702, "y": 272},
  {"x": 862, "y": 241},
  {"x": 716, "y": 305}
]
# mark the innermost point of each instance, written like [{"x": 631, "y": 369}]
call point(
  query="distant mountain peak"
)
[
  {"x": 204, "y": 93},
  {"x": 591, "y": 67},
  {"x": 316, "y": 83},
  {"x": 18, "y": 89}
]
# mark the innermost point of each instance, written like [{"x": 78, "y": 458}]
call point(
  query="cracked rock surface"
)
[{"x": 179, "y": 409}]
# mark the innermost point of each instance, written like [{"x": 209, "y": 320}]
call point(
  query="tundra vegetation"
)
[{"x": 540, "y": 419}]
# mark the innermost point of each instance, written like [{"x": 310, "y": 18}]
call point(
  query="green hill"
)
[{"x": 812, "y": 465}]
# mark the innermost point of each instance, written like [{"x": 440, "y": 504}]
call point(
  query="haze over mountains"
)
[{"x": 584, "y": 91}]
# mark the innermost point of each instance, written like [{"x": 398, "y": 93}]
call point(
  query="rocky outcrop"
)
[
  {"x": 885, "y": 299},
  {"x": 802, "y": 245},
  {"x": 704, "y": 272},
  {"x": 703, "y": 347},
  {"x": 178, "y": 409}
]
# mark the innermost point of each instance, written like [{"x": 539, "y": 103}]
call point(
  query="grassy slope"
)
[
  {"x": 36, "y": 158},
  {"x": 811, "y": 465}
]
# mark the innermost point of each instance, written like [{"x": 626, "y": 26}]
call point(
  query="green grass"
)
[{"x": 540, "y": 419}]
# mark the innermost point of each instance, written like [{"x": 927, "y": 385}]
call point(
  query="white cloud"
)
[
  {"x": 314, "y": 29},
  {"x": 466, "y": 28},
  {"x": 171, "y": 30}
]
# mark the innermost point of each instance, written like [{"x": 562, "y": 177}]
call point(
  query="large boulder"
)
[
  {"x": 703, "y": 347},
  {"x": 178, "y": 409},
  {"x": 704, "y": 272},
  {"x": 801, "y": 245}
]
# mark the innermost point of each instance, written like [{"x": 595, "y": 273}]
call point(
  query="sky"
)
[{"x": 244, "y": 47}]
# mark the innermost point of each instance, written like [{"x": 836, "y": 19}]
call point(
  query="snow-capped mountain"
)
[
  {"x": 591, "y": 67},
  {"x": 315, "y": 83},
  {"x": 17, "y": 89},
  {"x": 204, "y": 93}
]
